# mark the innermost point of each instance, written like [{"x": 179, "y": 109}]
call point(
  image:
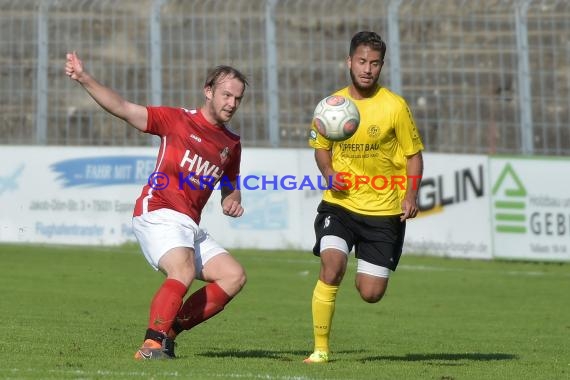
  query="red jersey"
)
[{"x": 194, "y": 157}]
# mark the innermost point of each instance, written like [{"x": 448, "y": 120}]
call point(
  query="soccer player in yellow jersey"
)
[{"x": 374, "y": 178}]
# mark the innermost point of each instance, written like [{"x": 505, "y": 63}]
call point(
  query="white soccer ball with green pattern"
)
[{"x": 336, "y": 117}]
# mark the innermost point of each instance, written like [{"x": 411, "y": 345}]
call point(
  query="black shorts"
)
[{"x": 377, "y": 240}]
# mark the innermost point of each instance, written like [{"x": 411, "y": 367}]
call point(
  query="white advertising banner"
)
[
  {"x": 86, "y": 195},
  {"x": 70, "y": 195},
  {"x": 531, "y": 208},
  {"x": 473, "y": 206},
  {"x": 454, "y": 199}
]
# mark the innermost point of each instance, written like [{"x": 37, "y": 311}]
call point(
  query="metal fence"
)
[{"x": 490, "y": 76}]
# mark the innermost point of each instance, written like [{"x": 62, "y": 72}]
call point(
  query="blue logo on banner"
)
[
  {"x": 8, "y": 182},
  {"x": 104, "y": 171}
]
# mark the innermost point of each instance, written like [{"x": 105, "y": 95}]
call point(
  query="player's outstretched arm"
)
[{"x": 108, "y": 99}]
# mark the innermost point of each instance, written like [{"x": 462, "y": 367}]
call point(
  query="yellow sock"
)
[{"x": 323, "y": 304}]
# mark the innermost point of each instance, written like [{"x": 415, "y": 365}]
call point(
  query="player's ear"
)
[{"x": 208, "y": 92}]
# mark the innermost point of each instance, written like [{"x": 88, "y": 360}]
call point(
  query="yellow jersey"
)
[{"x": 372, "y": 163}]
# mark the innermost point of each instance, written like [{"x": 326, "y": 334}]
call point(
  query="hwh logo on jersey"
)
[{"x": 201, "y": 167}]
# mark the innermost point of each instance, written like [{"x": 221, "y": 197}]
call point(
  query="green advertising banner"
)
[{"x": 530, "y": 208}]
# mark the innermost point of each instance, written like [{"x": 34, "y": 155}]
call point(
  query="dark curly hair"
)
[{"x": 371, "y": 39}]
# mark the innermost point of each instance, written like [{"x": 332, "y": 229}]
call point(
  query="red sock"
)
[
  {"x": 200, "y": 306},
  {"x": 165, "y": 305}
]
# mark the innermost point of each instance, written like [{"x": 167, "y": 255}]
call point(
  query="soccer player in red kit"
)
[{"x": 197, "y": 151}]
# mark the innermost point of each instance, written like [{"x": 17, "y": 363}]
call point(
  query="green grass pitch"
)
[{"x": 81, "y": 313}]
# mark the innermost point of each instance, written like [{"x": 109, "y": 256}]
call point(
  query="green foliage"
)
[{"x": 77, "y": 312}]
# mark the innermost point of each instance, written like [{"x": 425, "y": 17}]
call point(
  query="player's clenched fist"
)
[{"x": 232, "y": 208}]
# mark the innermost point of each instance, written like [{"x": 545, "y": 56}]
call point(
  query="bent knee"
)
[
  {"x": 371, "y": 288},
  {"x": 331, "y": 278},
  {"x": 332, "y": 274},
  {"x": 371, "y": 297},
  {"x": 240, "y": 279},
  {"x": 233, "y": 283}
]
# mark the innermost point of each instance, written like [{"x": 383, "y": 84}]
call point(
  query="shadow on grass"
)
[
  {"x": 260, "y": 354},
  {"x": 473, "y": 356},
  {"x": 450, "y": 358}
]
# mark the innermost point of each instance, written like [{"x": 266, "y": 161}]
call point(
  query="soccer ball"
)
[{"x": 336, "y": 117}]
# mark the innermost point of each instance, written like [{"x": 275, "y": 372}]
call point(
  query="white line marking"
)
[{"x": 135, "y": 374}]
